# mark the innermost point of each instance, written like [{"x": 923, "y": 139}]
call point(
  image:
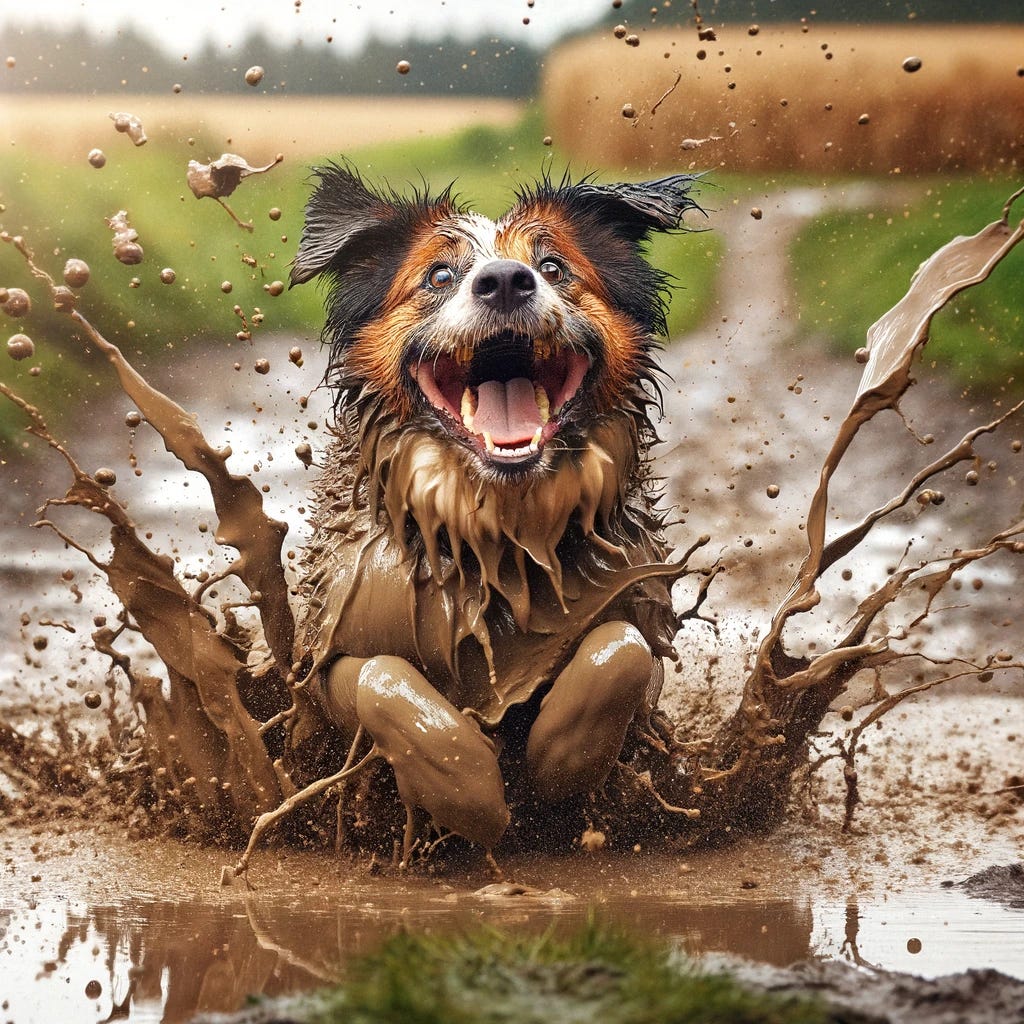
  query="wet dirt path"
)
[{"x": 747, "y": 408}]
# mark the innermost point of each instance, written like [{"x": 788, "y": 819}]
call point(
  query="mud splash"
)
[{"x": 212, "y": 744}]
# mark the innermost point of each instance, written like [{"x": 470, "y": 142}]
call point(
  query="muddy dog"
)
[{"x": 486, "y": 536}]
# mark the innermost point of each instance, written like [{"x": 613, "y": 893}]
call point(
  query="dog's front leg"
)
[
  {"x": 581, "y": 726},
  {"x": 441, "y": 759}
]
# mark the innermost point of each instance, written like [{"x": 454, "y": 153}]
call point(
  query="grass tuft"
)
[{"x": 599, "y": 972}]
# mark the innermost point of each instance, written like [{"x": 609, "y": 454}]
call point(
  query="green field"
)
[
  {"x": 849, "y": 268},
  {"x": 61, "y": 208}
]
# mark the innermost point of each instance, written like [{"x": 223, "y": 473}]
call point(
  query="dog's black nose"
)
[{"x": 505, "y": 285}]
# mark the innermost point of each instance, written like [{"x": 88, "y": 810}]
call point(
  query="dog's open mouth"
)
[{"x": 506, "y": 395}]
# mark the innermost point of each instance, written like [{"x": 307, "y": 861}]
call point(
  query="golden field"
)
[
  {"x": 302, "y": 127},
  {"x": 785, "y": 99}
]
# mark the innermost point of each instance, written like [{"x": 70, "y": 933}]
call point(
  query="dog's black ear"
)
[
  {"x": 342, "y": 217},
  {"x": 635, "y": 209}
]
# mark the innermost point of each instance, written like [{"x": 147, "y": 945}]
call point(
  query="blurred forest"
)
[{"x": 51, "y": 60}]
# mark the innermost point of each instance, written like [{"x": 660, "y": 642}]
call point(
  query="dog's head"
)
[{"x": 509, "y": 338}]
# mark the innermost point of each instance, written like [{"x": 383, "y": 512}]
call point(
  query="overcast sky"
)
[{"x": 181, "y": 25}]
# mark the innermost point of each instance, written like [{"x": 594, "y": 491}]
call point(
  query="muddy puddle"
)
[{"x": 96, "y": 926}]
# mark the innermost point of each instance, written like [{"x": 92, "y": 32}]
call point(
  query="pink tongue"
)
[{"x": 508, "y": 412}]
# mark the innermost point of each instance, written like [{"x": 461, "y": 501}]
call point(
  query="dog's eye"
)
[
  {"x": 552, "y": 271},
  {"x": 441, "y": 276}
]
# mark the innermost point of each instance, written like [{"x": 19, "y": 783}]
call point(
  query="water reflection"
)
[{"x": 165, "y": 961}]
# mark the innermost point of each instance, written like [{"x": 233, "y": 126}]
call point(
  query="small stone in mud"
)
[
  {"x": 20, "y": 346},
  {"x": 304, "y": 453},
  {"x": 97, "y": 158},
  {"x": 772, "y": 490},
  {"x": 628, "y": 110},
  {"x": 76, "y": 273},
  {"x": 91, "y": 699},
  {"x": 274, "y": 214},
  {"x": 167, "y": 275},
  {"x": 105, "y": 477},
  {"x": 93, "y": 989},
  {"x": 403, "y": 67},
  {"x": 262, "y": 366},
  {"x": 254, "y": 75},
  {"x": 275, "y": 288},
  {"x": 756, "y": 212},
  {"x": 17, "y": 303},
  {"x": 295, "y": 355},
  {"x": 863, "y": 119},
  {"x": 912, "y": 64},
  {"x": 862, "y": 355}
]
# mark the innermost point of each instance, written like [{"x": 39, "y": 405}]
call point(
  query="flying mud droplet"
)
[
  {"x": 92, "y": 700},
  {"x": 632, "y": 40},
  {"x": 125, "y": 241},
  {"x": 16, "y": 303},
  {"x": 619, "y": 31},
  {"x": 1016, "y": 446},
  {"x": 628, "y": 111},
  {"x": 304, "y": 453},
  {"x": 105, "y": 477},
  {"x": 753, "y": 30},
  {"x": 226, "y": 286},
  {"x": 772, "y": 490},
  {"x": 863, "y": 119},
  {"x": 176, "y": 88},
  {"x": 130, "y": 125},
  {"x": 971, "y": 478},
  {"x": 862, "y": 355},
  {"x": 221, "y": 177},
  {"x": 133, "y": 419},
  {"x": 254, "y": 75},
  {"x": 403, "y": 67},
  {"x": 97, "y": 158},
  {"x": 168, "y": 276},
  {"x": 262, "y": 366},
  {"x": 64, "y": 299},
  {"x": 546, "y": 141},
  {"x": 93, "y": 989},
  {"x": 20, "y": 346},
  {"x": 912, "y": 64},
  {"x": 76, "y": 273},
  {"x": 295, "y": 355},
  {"x": 756, "y": 212},
  {"x": 914, "y": 946},
  {"x": 697, "y": 143},
  {"x": 275, "y": 288},
  {"x": 10, "y": 62},
  {"x": 275, "y": 213}
]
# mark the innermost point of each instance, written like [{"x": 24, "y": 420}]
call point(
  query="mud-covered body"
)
[{"x": 486, "y": 533}]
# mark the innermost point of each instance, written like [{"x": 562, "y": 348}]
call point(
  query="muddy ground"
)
[{"x": 148, "y": 920}]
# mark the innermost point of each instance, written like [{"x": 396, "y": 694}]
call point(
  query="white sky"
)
[{"x": 182, "y": 25}]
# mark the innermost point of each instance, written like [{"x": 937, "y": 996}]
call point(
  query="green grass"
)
[
  {"x": 61, "y": 210},
  {"x": 850, "y": 268},
  {"x": 597, "y": 973}
]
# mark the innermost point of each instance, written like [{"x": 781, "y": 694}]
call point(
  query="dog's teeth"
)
[
  {"x": 535, "y": 443},
  {"x": 488, "y": 442},
  {"x": 543, "y": 403},
  {"x": 468, "y": 409}
]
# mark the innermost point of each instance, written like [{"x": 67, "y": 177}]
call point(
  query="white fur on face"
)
[{"x": 464, "y": 319}]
